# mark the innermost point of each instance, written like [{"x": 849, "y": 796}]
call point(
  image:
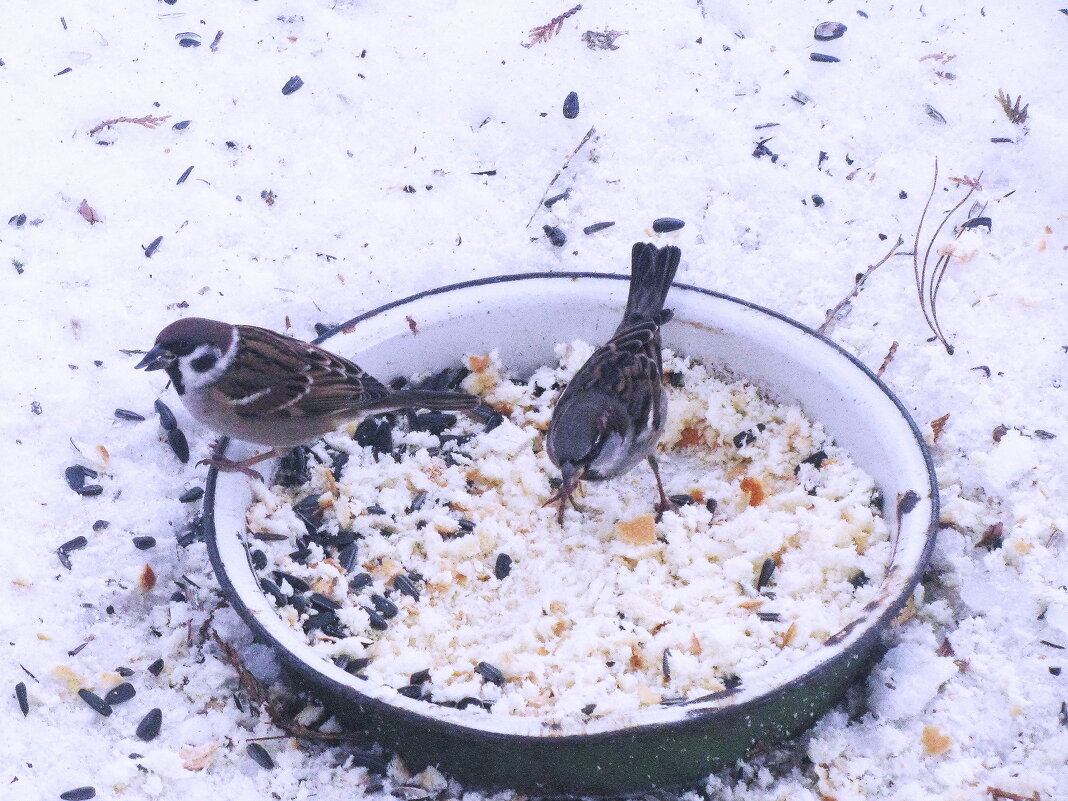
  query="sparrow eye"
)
[{"x": 204, "y": 363}]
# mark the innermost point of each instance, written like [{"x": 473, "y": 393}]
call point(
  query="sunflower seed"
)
[
  {"x": 828, "y": 31},
  {"x": 184, "y": 175},
  {"x": 552, "y": 201},
  {"x": 292, "y": 85},
  {"x": 79, "y": 794},
  {"x": 76, "y": 475},
  {"x": 411, "y": 691},
  {"x": 179, "y": 444},
  {"x": 191, "y": 494},
  {"x": 823, "y": 57},
  {"x": 24, "y": 701},
  {"x": 571, "y": 106},
  {"x": 120, "y": 693},
  {"x": 490, "y": 673},
  {"x": 359, "y": 581},
  {"x": 378, "y": 623},
  {"x": 75, "y": 544},
  {"x": 592, "y": 229},
  {"x": 166, "y": 417},
  {"x": 255, "y": 750},
  {"x": 385, "y": 607},
  {"x": 152, "y": 247},
  {"x": 664, "y": 225},
  {"x": 767, "y": 570},
  {"x": 181, "y": 126},
  {"x": 95, "y": 701},
  {"x": 503, "y": 566},
  {"x": 557, "y": 237},
  {"x": 420, "y": 677},
  {"x": 150, "y": 724},
  {"x": 156, "y": 667},
  {"x": 126, "y": 414},
  {"x": 405, "y": 585}
]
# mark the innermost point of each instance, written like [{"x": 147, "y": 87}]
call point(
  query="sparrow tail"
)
[
  {"x": 430, "y": 399},
  {"x": 651, "y": 273}
]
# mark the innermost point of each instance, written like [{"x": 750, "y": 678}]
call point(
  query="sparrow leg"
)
[
  {"x": 566, "y": 493},
  {"x": 664, "y": 504},
  {"x": 244, "y": 466}
]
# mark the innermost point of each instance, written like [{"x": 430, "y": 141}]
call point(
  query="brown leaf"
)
[
  {"x": 88, "y": 212},
  {"x": 938, "y": 425}
]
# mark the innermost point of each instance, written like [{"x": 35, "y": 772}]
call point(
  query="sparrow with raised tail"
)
[
  {"x": 611, "y": 414},
  {"x": 255, "y": 385}
]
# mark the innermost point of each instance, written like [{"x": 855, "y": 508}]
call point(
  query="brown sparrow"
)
[
  {"x": 258, "y": 386},
  {"x": 611, "y": 414}
]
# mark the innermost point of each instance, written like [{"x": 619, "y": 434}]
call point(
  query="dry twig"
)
[
  {"x": 928, "y": 281},
  {"x": 148, "y": 121},
  {"x": 544, "y": 33},
  {"x": 564, "y": 166},
  {"x": 862, "y": 279},
  {"x": 886, "y": 361}
]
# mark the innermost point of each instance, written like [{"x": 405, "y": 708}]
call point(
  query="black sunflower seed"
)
[
  {"x": 156, "y": 667},
  {"x": 95, "y": 701},
  {"x": 184, "y": 175},
  {"x": 151, "y": 723},
  {"x": 24, "y": 700},
  {"x": 434, "y": 422},
  {"x": 490, "y": 673},
  {"x": 552, "y": 201},
  {"x": 592, "y": 229},
  {"x": 75, "y": 544},
  {"x": 327, "y": 622},
  {"x": 681, "y": 500},
  {"x": 166, "y": 417},
  {"x": 828, "y": 31},
  {"x": 79, "y": 794},
  {"x": 710, "y": 505},
  {"x": 76, "y": 475},
  {"x": 743, "y": 438},
  {"x": 665, "y": 225},
  {"x": 588, "y": 709},
  {"x": 769, "y": 617},
  {"x": 767, "y": 570},
  {"x": 378, "y": 623},
  {"x": 823, "y": 57},
  {"x": 322, "y": 602},
  {"x": 359, "y": 581},
  {"x": 347, "y": 557},
  {"x": 120, "y": 693},
  {"x": 859, "y": 579},
  {"x": 258, "y": 558},
  {"x": 191, "y": 494},
  {"x": 100, "y": 525},
  {"x": 420, "y": 677},
  {"x": 385, "y": 607},
  {"x": 144, "y": 543},
  {"x": 503, "y": 566},
  {"x": 375, "y": 433},
  {"x": 90, "y": 490},
  {"x": 298, "y": 584},
  {"x": 152, "y": 247},
  {"x": 816, "y": 460},
  {"x": 255, "y": 750},
  {"x": 463, "y": 703},
  {"x": 571, "y": 106},
  {"x": 179, "y": 444},
  {"x": 556, "y": 237},
  {"x": 292, "y": 85},
  {"x": 181, "y": 126},
  {"x": 125, "y": 672},
  {"x": 417, "y": 502},
  {"x": 64, "y": 560},
  {"x": 411, "y": 691},
  {"x": 465, "y": 524},
  {"x": 126, "y": 414},
  {"x": 404, "y": 584}
]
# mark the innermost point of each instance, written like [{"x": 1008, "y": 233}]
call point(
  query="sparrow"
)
[
  {"x": 611, "y": 414},
  {"x": 256, "y": 385}
]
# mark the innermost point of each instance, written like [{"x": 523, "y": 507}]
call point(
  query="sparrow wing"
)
[{"x": 273, "y": 374}]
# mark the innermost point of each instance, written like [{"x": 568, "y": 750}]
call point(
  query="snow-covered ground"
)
[{"x": 295, "y": 212}]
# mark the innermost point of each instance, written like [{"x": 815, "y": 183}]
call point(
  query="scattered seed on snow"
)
[{"x": 150, "y": 725}]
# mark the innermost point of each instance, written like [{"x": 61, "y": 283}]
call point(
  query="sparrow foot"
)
[
  {"x": 244, "y": 466},
  {"x": 665, "y": 504}
]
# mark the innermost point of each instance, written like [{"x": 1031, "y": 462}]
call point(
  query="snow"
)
[{"x": 445, "y": 90}]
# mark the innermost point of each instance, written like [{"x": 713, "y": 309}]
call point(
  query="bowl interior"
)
[{"x": 523, "y": 317}]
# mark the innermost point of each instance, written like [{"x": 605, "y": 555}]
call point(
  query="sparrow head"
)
[{"x": 194, "y": 351}]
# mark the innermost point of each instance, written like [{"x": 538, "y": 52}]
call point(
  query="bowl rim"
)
[{"x": 869, "y": 632}]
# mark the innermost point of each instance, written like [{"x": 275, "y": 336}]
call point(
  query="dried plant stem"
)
[
  {"x": 567, "y": 162},
  {"x": 148, "y": 121},
  {"x": 886, "y": 361},
  {"x": 832, "y": 315},
  {"x": 544, "y": 33},
  {"x": 928, "y": 284}
]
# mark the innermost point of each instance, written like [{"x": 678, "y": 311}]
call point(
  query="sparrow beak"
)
[{"x": 159, "y": 358}]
